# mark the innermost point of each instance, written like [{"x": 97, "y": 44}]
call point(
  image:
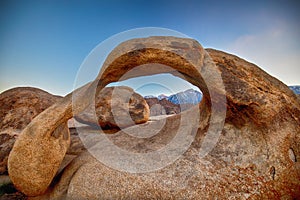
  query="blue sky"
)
[{"x": 43, "y": 43}]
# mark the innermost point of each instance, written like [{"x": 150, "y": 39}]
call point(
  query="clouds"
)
[{"x": 275, "y": 49}]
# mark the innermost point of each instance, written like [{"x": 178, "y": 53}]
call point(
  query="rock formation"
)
[
  {"x": 18, "y": 106},
  {"x": 113, "y": 106},
  {"x": 162, "y": 107},
  {"x": 6, "y": 143},
  {"x": 165, "y": 107},
  {"x": 256, "y": 154}
]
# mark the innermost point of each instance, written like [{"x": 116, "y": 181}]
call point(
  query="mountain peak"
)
[
  {"x": 162, "y": 96},
  {"x": 189, "y": 96},
  {"x": 295, "y": 89}
]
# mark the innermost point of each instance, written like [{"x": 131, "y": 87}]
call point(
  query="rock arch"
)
[
  {"x": 41, "y": 147},
  {"x": 43, "y": 143}
]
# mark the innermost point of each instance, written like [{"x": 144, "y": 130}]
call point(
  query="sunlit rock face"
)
[
  {"x": 18, "y": 106},
  {"x": 120, "y": 103},
  {"x": 256, "y": 155}
]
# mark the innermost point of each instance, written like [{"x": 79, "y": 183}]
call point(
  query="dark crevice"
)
[{"x": 272, "y": 172}]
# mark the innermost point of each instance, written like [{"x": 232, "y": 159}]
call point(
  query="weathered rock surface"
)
[
  {"x": 116, "y": 107},
  {"x": 162, "y": 107},
  {"x": 18, "y": 106},
  {"x": 256, "y": 155},
  {"x": 6, "y": 144},
  {"x": 45, "y": 159},
  {"x": 165, "y": 107}
]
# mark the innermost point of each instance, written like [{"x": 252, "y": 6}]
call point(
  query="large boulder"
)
[
  {"x": 18, "y": 106},
  {"x": 255, "y": 155},
  {"x": 116, "y": 107}
]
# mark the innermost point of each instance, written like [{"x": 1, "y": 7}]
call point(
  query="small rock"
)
[{"x": 162, "y": 107}]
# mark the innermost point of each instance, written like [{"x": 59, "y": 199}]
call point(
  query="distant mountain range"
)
[
  {"x": 295, "y": 88},
  {"x": 162, "y": 96},
  {"x": 191, "y": 96},
  {"x": 187, "y": 97},
  {"x": 173, "y": 104}
]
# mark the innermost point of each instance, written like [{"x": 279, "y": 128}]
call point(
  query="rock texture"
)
[
  {"x": 6, "y": 143},
  {"x": 40, "y": 154},
  {"x": 165, "y": 107},
  {"x": 18, "y": 106},
  {"x": 116, "y": 107},
  {"x": 162, "y": 107},
  {"x": 256, "y": 155}
]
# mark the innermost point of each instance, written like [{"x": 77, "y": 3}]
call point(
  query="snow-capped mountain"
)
[
  {"x": 187, "y": 97},
  {"x": 162, "y": 96},
  {"x": 295, "y": 88},
  {"x": 149, "y": 97}
]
